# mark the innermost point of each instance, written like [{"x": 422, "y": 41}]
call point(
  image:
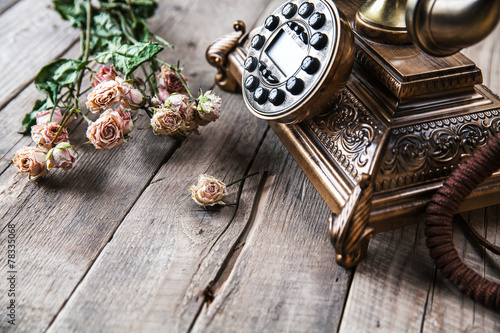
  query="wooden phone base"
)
[{"x": 402, "y": 124}]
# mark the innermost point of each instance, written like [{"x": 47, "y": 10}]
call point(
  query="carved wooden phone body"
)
[{"x": 377, "y": 148}]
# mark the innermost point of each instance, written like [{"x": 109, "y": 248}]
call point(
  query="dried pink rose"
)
[
  {"x": 107, "y": 131},
  {"x": 43, "y": 135},
  {"x": 208, "y": 192},
  {"x": 105, "y": 95},
  {"x": 31, "y": 160},
  {"x": 163, "y": 95},
  {"x": 180, "y": 104},
  {"x": 43, "y": 117},
  {"x": 209, "y": 106},
  {"x": 170, "y": 82},
  {"x": 105, "y": 74},
  {"x": 132, "y": 98},
  {"x": 128, "y": 124},
  {"x": 155, "y": 101},
  {"x": 61, "y": 156},
  {"x": 165, "y": 121},
  {"x": 175, "y": 117}
]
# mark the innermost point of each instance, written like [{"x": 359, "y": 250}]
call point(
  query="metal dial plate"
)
[{"x": 277, "y": 67}]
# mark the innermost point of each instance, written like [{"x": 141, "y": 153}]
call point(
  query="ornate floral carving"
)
[
  {"x": 432, "y": 150},
  {"x": 350, "y": 133},
  {"x": 495, "y": 126}
]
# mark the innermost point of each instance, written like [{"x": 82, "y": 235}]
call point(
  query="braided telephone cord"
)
[{"x": 443, "y": 206}]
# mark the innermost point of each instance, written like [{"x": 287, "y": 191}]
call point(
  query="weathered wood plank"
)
[
  {"x": 168, "y": 249},
  {"x": 285, "y": 278},
  {"x": 29, "y": 44},
  {"x": 6, "y": 4},
  {"x": 64, "y": 221},
  {"x": 37, "y": 203},
  {"x": 486, "y": 55}
]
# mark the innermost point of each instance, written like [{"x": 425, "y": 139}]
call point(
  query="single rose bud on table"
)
[
  {"x": 31, "y": 161},
  {"x": 62, "y": 156},
  {"x": 208, "y": 192},
  {"x": 43, "y": 135}
]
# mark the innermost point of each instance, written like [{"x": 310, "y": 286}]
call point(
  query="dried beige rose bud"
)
[
  {"x": 131, "y": 98},
  {"x": 31, "y": 160},
  {"x": 43, "y": 135},
  {"x": 208, "y": 192},
  {"x": 43, "y": 117},
  {"x": 107, "y": 131},
  {"x": 163, "y": 94},
  {"x": 165, "y": 121},
  {"x": 62, "y": 156},
  {"x": 128, "y": 124},
  {"x": 105, "y": 74},
  {"x": 104, "y": 96},
  {"x": 169, "y": 82},
  {"x": 155, "y": 101},
  {"x": 209, "y": 106},
  {"x": 180, "y": 104}
]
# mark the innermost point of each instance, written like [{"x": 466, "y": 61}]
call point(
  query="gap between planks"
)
[{"x": 257, "y": 213}]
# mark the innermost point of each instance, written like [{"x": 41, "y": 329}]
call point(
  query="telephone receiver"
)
[{"x": 375, "y": 127}]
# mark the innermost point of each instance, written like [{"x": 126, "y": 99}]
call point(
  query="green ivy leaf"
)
[
  {"x": 144, "y": 8},
  {"x": 128, "y": 57},
  {"x": 71, "y": 10},
  {"x": 106, "y": 34},
  {"x": 140, "y": 30},
  {"x": 56, "y": 75},
  {"x": 140, "y": 8},
  {"x": 30, "y": 118}
]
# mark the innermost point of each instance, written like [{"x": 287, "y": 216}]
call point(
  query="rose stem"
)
[
  {"x": 239, "y": 180},
  {"x": 178, "y": 73},
  {"x": 80, "y": 76}
]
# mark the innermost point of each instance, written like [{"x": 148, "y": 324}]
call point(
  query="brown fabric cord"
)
[{"x": 440, "y": 215}]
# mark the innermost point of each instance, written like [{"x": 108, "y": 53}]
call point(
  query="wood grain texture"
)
[
  {"x": 65, "y": 220},
  {"x": 28, "y": 44},
  {"x": 486, "y": 55},
  {"x": 285, "y": 278},
  {"x": 6, "y": 4},
  {"x": 168, "y": 249}
]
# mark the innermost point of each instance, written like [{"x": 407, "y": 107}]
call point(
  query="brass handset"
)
[
  {"x": 438, "y": 27},
  {"x": 444, "y": 27}
]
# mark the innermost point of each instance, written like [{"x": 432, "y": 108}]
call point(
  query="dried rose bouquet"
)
[{"x": 116, "y": 39}]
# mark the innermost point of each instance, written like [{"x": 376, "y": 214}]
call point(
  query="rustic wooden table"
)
[{"x": 117, "y": 245}]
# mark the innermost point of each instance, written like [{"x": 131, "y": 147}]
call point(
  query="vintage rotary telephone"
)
[{"x": 374, "y": 122}]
